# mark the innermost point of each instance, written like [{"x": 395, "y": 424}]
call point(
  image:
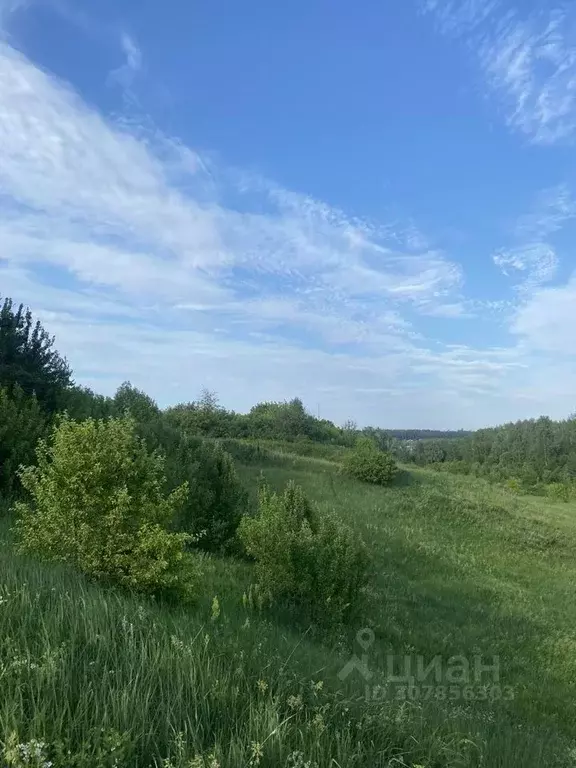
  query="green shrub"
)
[
  {"x": 305, "y": 556},
  {"x": 367, "y": 463},
  {"x": 97, "y": 503},
  {"x": 514, "y": 485},
  {"x": 559, "y": 491}
]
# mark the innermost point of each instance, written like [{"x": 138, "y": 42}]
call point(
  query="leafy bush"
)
[
  {"x": 514, "y": 485},
  {"x": 560, "y": 491},
  {"x": 369, "y": 464},
  {"x": 22, "y": 424},
  {"x": 207, "y": 418},
  {"x": 98, "y": 504},
  {"x": 305, "y": 556},
  {"x": 266, "y": 421}
]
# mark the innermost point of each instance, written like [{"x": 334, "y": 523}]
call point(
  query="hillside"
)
[
  {"x": 461, "y": 569},
  {"x": 287, "y": 375},
  {"x": 198, "y": 588}
]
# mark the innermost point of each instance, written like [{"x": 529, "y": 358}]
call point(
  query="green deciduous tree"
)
[{"x": 136, "y": 402}]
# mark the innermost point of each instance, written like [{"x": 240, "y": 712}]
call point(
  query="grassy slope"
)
[{"x": 460, "y": 568}]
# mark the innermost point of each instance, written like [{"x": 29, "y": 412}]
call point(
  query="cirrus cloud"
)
[
  {"x": 527, "y": 57},
  {"x": 127, "y": 244}
]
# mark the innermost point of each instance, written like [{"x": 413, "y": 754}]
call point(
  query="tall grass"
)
[
  {"x": 278, "y": 452},
  {"x": 102, "y": 678},
  {"x": 108, "y": 678}
]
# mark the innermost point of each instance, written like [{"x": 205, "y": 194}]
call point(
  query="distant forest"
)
[
  {"x": 427, "y": 434},
  {"x": 36, "y": 384},
  {"x": 530, "y": 455}
]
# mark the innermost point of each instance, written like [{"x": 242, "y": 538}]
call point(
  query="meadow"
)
[{"x": 90, "y": 676}]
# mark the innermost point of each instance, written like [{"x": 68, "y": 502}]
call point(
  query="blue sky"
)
[{"x": 371, "y": 206}]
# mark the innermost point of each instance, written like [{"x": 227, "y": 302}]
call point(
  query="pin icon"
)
[{"x": 365, "y": 638}]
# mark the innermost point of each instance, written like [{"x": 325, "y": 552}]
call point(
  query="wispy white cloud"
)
[
  {"x": 546, "y": 322},
  {"x": 456, "y": 17},
  {"x": 532, "y": 256},
  {"x": 130, "y": 225},
  {"x": 527, "y": 58},
  {"x": 133, "y": 54},
  {"x": 542, "y": 319},
  {"x": 126, "y": 73},
  {"x": 456, "y": 309},
  {"x": 553, "y": 209},
  {"x": 536, "y": 261},
  {"x": 122, "y": 240}
]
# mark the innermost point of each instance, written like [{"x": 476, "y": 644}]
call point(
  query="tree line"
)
[
  {"x": 532, "y": 454},
  {"x": 36, "y": 383}
]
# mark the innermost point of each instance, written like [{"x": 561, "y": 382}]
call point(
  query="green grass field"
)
[{"x": 461, "y": 569}]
